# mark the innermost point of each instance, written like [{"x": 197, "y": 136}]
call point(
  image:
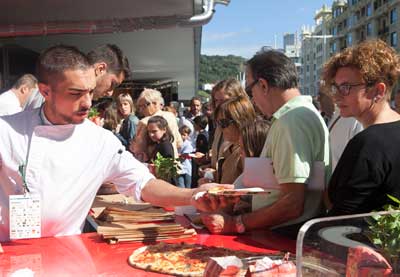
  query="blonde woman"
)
[{"x": 126, "y": 109}]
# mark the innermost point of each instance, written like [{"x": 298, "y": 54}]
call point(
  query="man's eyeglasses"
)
[
  {"x": 249, "y": 88},
  {"x": 224, "y": 123},
  {"x": 345, "y": 89}
]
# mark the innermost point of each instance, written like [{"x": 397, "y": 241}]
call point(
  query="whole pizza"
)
[{"x": 180, "y": 259}]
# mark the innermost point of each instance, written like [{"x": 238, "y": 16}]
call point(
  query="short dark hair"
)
[
  {"x": 201, "y": 121},
  {"x": 26, "y": 79},
  {"x": 194, "y": 98},
  {"x": 276, "y": 68},
  {"x": 57, "y": 59},
  {"x": 113, "y": 56}
]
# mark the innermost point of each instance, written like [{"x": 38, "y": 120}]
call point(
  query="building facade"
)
[
  {"x": 356, "y": 20},
  {"x": 315, "y": 51},
  {"x": 292, "y": 48},
  {"x": 344, "y": 24}
]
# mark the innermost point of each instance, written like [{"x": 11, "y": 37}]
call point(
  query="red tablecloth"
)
[{"x": 88, "y": 255}]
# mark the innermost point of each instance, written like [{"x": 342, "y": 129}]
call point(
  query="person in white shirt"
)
[
  {"x": 12, "y": 101},
  {"x": 341, "y": 131},
  {"x": 65, "y": 157},
  {"x": 34, "y": 101}
]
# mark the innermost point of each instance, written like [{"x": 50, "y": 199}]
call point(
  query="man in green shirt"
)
[{"x": 297, "y": 142}]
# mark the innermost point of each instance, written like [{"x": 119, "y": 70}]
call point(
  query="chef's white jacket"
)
[
  {"x": 9, "y": 103},
  {"x": 65, "y": 166}
]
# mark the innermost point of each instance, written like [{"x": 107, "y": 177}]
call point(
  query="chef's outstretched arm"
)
[{"x": 160, "y": 193}]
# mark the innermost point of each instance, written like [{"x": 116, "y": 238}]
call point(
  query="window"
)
[
  {"x": 349, "y": 39},
  {"x": 334, "y": 47},
  {"x": 336, "y": 12},
  {"x": 308, "y": 68},
  {"x": 393, "y": 39},
  {"x": 369, "y": 29},
  {"x": 393, "y": 16},
  {"x": 369, "y": 9}
]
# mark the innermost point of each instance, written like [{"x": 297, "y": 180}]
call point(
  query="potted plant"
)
[
  {"x": 384, "y": 233},
  {"x": 166, "y": 168},
  {"x": 94, "y": 116}
]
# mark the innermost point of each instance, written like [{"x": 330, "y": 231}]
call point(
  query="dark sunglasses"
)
[
  {"x": 249, "y": 88},
  {"x": 144, "y": 105},
  {"x": 224, "y": 123}
]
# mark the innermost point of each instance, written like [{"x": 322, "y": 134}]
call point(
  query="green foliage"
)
[
  {"x": 384, "y": 232},
  {"x": 93, "y": 113},
  {"x": 203, "y": 94},
  {"x": 166, "y": 168},
  {"x": 216, "y": 68}
]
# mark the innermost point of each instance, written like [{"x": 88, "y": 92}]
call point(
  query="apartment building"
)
[
  {"x": 358, "y": 20},
  {"x": 344, "y": 24},
  {"x": 291, "y": 48},
  {"x": 314, "y": 51}
]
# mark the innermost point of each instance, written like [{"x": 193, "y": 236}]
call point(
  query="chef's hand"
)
[
  {"x": 207, "y": 202},
  {"x": 218, "y": 223}
]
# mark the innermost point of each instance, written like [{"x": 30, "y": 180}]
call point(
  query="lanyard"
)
[
  {"x": 22, "y": 172},
  {"x": 22, "y": 167},
  {"x": 334, "y": 123}
]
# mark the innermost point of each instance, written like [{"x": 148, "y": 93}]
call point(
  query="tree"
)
[{"x": 216, "y": 68}]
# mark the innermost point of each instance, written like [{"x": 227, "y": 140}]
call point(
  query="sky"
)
[{"x": 244, "y": 26}]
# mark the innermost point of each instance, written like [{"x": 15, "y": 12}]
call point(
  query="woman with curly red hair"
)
[{"x": 361, "y": 79}]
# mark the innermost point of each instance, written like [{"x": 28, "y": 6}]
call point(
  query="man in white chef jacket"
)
[
  {"x": 13, "y": 100},
  {"x": 56, "y": 155}
]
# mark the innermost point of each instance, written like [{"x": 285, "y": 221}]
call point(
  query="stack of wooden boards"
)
[{"x": 140, "y": 223}]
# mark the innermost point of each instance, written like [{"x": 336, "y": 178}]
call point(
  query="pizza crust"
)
[{"x": 168, "y": 258}]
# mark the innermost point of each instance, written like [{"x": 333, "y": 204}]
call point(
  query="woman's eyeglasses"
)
[
  {"x": 345, "y": 89},
  {"x": 224, "y": 123}
]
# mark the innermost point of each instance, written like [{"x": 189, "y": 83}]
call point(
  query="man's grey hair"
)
[{"x": 26, "y": 79}]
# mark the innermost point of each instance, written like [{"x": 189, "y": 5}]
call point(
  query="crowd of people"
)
[{"x": 337, "y": 157}]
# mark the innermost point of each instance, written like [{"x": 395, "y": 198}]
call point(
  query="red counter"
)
[{"x": 88, "y": 255}]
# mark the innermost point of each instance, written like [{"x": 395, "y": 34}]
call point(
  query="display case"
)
[{"x": 355, "y": 245}]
